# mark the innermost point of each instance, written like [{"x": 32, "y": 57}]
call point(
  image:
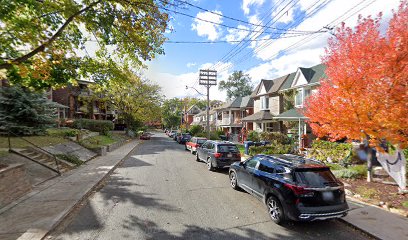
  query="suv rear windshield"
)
[
  {"x": 315, "y": 177},
  {"x": 227, "y": 148}
]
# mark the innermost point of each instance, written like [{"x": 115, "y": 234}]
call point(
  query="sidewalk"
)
[
  {"x": 35, "y": 214},
  {"x": 376, "y": 222}
]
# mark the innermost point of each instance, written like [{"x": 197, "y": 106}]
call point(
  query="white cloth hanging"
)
[{"x": 394, "y": 164}]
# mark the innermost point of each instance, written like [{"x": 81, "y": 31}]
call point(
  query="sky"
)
[{"x": 283, "y": 34}]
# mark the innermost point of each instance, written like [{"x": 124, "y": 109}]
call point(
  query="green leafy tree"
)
[
  {"x": 38, "y": 39},
  {"x": 25, "y": 113},
  {"x": 136, "y": 99},
  {"x": 237, "y": 85},
  {"x": 171, "y": 112}
]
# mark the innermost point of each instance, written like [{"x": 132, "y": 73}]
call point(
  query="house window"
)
[
  {"x": 264, "y": 103},
  {"x": 299, "y": 98},
  {"x": 301, "y": 95}
]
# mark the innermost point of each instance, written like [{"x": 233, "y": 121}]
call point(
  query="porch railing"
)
[{"x": 9, "y": 136}]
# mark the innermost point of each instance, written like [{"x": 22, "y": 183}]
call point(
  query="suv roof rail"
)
[{"x": 293, "y": 159}]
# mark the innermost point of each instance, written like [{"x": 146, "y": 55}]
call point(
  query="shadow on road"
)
[{"x": 152, "y": 231}]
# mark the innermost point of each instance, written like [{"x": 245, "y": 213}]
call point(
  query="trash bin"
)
[
  {"x": 247, "y": 144},
  {"x": 223, "y": 137}
]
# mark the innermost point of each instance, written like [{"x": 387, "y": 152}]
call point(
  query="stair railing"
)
[{"x": 35, "y": 145}]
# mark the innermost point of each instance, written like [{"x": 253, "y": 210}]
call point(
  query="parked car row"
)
[
  {"x": 181, "y": 138},
  {"x": 292, "y": 187}
]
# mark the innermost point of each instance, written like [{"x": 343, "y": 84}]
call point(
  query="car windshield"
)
[
  {"x": 201, "y": 141},
  {"x": 227, "y": 148},
  {"x": 319, "y": 177}
]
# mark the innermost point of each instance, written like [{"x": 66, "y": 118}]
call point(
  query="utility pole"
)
[{"x": 208, "y": 78}]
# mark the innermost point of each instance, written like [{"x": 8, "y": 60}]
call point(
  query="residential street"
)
[{"x": 161, "y": 192}]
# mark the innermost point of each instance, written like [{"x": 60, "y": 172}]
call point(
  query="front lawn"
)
[
  {"x": 41, "y": 141},
  {"x": 101, "y": 140}
]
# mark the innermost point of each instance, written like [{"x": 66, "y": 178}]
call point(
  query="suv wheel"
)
[
  {"x": 209, "y": 165},
  {"x": 275, "y": 210},
  {"x": 185, "y": 147},
  {"x": 233, "y": 180}
]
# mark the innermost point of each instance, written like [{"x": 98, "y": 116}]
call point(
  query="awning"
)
[
  {"x": 259, "y": 116},
  {"x": 292, "y": 114}
]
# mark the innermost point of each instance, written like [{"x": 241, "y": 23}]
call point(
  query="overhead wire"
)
[
  {"x": 251, "y": 35},
  {"x": 307, "y": 15},
  {"x": 309, "y": 38}
]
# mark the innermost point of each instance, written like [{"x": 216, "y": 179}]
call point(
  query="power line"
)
[
  {"x": 235, "y": 41},
  {"x": 228, "y": 26},
  {"x": 308, "y": 14},
  {"x": 251, "y": 35},
  {"x": 232, "y": 54},
  {"x": 234, "y": 19},
  {"x": 309, "y": 38}
]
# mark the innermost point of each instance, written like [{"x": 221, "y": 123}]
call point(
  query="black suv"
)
[
  {"x": 218, "y": 154},
  {"x": 292, "y": 187}
]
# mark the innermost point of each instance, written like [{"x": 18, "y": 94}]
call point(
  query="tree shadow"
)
[
  {"x": 120, "y": 189},
  {"x": 152, "y": 231}
]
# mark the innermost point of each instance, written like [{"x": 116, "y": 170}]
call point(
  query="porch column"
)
[
  {"x": 299, "y": 133},
  {"x": 230, "y": 116}
]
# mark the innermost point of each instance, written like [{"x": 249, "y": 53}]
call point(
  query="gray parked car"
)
[{"x": 218, "y": 154}]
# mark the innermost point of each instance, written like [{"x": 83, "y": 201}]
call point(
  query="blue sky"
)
[{"x": 260, "y": 59}]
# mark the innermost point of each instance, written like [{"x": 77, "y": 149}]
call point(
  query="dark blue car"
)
[{"x": 292, "y": 187}]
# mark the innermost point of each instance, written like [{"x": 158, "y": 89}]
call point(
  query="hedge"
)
[
  {"x": 274, "y": 148},
  {"x": 275, "y": 136},
  {"x": 325, "y": 150},
  {"x": 101, "y": 126}
]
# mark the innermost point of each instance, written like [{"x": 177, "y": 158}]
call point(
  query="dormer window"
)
[{"x": 264, "y": 103}]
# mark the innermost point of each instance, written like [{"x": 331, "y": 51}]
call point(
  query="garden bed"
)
[{"x": 376, "y": 193}]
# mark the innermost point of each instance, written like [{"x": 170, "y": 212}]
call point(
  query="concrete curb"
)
[{"x": 85, "y": 197}]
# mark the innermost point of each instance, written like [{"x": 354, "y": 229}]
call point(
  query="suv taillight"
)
[
  {"x": 217, "y": 155},
  {"x": 299, "y": 191}
]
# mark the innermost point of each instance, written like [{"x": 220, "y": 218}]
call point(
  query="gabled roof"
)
[
  {"x": 271, "y": 86},
  {"x": 239, "y": 102},
  {"x": 288, "y": 83},
  {"x": 193, "y": 109},
  {"x": 202, "y": 113},
  {"x": 312, "y": 75}
]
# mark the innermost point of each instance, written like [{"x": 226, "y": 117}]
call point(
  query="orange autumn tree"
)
[{"x": 365, "y": 94}]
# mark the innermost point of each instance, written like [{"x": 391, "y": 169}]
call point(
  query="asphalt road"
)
[{"x": 161, "y": 192}]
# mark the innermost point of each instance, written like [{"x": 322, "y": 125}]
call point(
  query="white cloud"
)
[
  {"x": 174, "y": 85},
  {"x": 211, "y": 30},
  {"x": 247, "y": 3},
  {"x": 284, "y": 16},
  {"x": 189, "y": 65},
  {"x": 278, "y": 62},
  {"x": 236, "y": 34}
]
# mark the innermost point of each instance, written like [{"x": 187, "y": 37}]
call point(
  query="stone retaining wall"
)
[
  {"x": 13, "y": 183},
  {"x": 116, "y": 145}
]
